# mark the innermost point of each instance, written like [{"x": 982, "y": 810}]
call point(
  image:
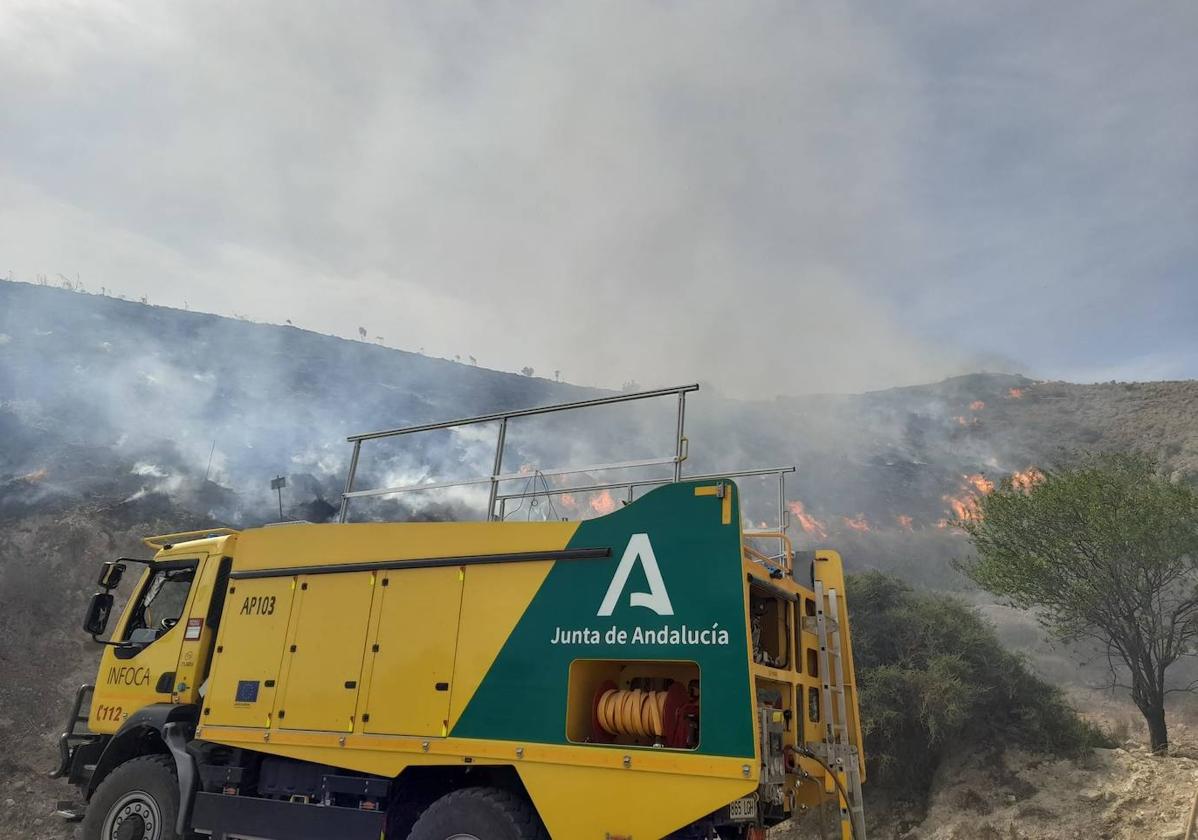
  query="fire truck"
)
[{"x": 662, "y": 670}]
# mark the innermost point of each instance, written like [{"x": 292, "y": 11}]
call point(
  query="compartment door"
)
[
  {"x": 323, "y": 659},
  {"x": 414, "y": 650},
  {"x": 249, "y": 650}
]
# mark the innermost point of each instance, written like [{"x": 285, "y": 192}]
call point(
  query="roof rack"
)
[
  {"x": 165, "y": 540},
  {"x": 497, "y": 501}
]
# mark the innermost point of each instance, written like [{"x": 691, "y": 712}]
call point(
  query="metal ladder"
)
[{"x": 841, "y": 755}]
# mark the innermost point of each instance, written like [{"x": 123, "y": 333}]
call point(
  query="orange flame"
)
[
  {"x": 1015, "y": 394},
  {"x": 964, "y": 505},
  {"x": 980, "y": 483},
  {"x": 567, "y": 500},
  {"x": 807, "y": 522},
  {"x": 1026, "y": 479},
  {"x": 35, "y": 476},
  {"x": 976, "y": 405},
  {"x": 905, "y": 522},
  {"x": 857, "y": 523},
  {"x": 603, "y": 503},
  {"x": 527, "y": 469}
]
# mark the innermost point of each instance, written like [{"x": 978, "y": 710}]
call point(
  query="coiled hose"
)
[{"x": 633, "y": 714}]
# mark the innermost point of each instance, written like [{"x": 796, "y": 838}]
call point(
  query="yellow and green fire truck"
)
[{"x": 653, "y": 672}]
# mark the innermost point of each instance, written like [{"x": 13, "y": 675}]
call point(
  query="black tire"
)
[
  {"x": 139, "y": 800},
  {"x": 405, "y": 808},
  {"x": 482, "y": 813}
]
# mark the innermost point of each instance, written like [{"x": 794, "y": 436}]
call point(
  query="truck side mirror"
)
[
  {"x": 98, "y": 612},
  {"x": 110, "y": 574}
]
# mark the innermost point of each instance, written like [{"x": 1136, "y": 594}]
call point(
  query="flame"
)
[
  {"x": 567, "y": 500},
  {"x": 603, "y": 503},
  {"x": 980, "y": 483},
  {"x": 857, "y": 523},
  {"x": 1026, "y": 479},
  {"x": 36, "y": 475},
  {"x": 963, "y": 508},
  {"x": 527, "y": 469},
  {"x": 964, "y": 505},
  {"x": 966, "y": 421},
  {"x": 905, "y": 522},
  {"x": 976, "y": 405},
  {"x": 807, "y": 522},
  {"x": 1015, "y": 394}
]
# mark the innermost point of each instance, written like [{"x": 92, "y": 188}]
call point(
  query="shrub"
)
[{"x": 933, "y": 677}]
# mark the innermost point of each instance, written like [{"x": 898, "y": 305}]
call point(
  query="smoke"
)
[{"x": 774, "y": 198}]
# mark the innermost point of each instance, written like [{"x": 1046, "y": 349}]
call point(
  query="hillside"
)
[
  {"x": 96, "y": 391},
  {"x": 119, "y": 418}
]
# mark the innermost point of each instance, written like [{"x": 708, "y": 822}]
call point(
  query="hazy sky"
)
[{"x": 769, "y": 197}]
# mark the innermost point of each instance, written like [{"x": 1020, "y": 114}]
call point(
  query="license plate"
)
[{"x": 744, "y": 808}]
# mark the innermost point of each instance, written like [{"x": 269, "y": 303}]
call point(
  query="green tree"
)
[{"x": 1104, "y": 550}]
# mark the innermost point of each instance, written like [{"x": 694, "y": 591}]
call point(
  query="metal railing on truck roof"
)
[{"x": 497, "y": 476}]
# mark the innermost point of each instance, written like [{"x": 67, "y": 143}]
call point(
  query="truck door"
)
[
  {"x": 323, "y": 659},
  {"x": 412, "y": 652},
  {"x": 142, "y": 669}
]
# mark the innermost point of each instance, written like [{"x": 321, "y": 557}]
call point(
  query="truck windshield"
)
[{"x": 162, "y": 601}]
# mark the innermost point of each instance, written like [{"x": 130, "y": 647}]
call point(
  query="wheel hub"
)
[{"x": 133, "y": 817}]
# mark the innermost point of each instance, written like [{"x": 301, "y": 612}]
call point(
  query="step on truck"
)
[{"x": 658, "y": 671}]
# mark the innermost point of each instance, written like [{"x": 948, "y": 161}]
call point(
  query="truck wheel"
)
[
  {"x": 139, "y": 800},
  {"x": 479, "y": 814}
]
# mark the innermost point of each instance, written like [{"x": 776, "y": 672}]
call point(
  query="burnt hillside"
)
[{"x": 116, "y": 401}]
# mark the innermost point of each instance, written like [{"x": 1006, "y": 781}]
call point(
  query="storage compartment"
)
[
  {"x": 413, "y": 652},
  {"x": 768, "y": 616},
  {"x": 245, "y": 669},
  {"x": 323, "y": 661},
  {"x": 634, "y": 703}
]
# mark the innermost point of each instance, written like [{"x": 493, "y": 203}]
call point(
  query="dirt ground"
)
[
  {"x": 1116, "y": 794},
  {"x": 1124, "y": 793}
]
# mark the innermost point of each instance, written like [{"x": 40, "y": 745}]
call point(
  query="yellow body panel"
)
[
  {"x": 412, "y": 656},
  {"x": 650, "y": 805},
  {"x": 323, "y": 662},
  {"x": 281, "y": 548},
  {"x": 256, "y": 619},
  {"x": 493, "y": 599}
]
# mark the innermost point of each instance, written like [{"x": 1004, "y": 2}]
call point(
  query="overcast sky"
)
[{"x": 768, "y": 197}]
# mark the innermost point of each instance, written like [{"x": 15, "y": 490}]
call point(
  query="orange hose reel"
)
[{"x": 657, "y": 716}]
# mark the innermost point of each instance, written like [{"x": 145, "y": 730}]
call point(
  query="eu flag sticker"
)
[{"x": 247, "y": 691}]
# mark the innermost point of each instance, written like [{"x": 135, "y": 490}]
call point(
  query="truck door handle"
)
[{"x": 442, "y": 686}]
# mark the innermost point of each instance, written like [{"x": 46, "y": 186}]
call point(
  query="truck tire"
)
[
  {"x": 479, "y": 814},
  {"x": 139, "y": 800}
]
